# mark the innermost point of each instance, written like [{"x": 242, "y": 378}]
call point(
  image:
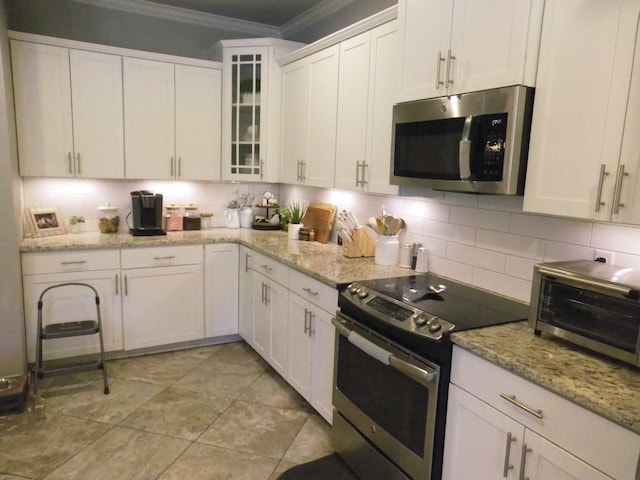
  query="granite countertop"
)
[
  {"x": 606, "y": 387},
  {"x": 324, "y": 262}
]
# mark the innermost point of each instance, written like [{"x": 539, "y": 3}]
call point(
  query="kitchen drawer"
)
[
  {"x": 269, "y": 267},
  {"x": 77, "y": 261},
  {"x": 316, "y": 292},
  {"x": 162, "y": 256},
  {"x": 599, "y": 442}
]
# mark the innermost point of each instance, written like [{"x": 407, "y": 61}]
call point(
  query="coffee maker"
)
[{"x": 146, "y": 207}]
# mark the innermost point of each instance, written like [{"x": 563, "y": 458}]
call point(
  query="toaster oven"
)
[{"x": 591, "y": 304}]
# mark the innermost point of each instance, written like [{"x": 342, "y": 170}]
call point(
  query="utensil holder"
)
[
  {"x": 387, "y": 250},
  {"x": 360, "y": 246}
]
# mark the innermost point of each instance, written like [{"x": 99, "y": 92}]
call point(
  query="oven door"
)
[{"x": 388, "y": 396}]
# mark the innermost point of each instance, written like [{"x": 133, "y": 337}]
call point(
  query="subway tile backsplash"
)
[{"x": 487, "y": 241}]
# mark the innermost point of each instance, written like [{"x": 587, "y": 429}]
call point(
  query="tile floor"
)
[{"x": 206, "y": 413}]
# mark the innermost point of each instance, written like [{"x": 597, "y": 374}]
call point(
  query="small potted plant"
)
[
  {"x": 247, "y": 92},
  {"x": 76, "y": 224},
  {"x": 291, "y": 217}
]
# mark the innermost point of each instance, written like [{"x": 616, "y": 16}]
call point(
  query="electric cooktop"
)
[{"x": 427, "y": 305}]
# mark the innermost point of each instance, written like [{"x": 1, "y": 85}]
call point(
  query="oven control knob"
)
[
  {"x": 363, "y": 292},
  {"x": 421, "y": 319},
  {"x": 434, "y": 324},
  {"x": 353, "y": 288}
]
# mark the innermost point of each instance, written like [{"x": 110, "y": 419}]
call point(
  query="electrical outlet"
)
[{"x": 609, "y": 257}]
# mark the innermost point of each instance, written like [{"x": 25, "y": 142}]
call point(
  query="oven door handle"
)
[{"x": 420, "y": 375}]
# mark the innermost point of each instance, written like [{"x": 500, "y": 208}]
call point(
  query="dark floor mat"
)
[{"x": 329, "y": 467}]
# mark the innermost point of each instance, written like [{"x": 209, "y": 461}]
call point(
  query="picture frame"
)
[{"x": 45, "y": 221}]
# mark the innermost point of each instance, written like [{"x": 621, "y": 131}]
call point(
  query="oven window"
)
[
  {"x": 428, "y": 149},
  {"x": 609, "y": 320},
  {"x": 393, "y": 400}
]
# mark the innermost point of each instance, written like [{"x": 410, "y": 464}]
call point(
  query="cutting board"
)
[{"x": 320, "y": 217}]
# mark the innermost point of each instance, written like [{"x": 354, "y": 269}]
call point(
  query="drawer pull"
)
[
  {"x": 310, "y": 292},
  {"x": 75, "y": 262},
  {"x": 166, "y": 257},
  {"x": 267, "y": 268},
  {"x": 519, "y": 404}
]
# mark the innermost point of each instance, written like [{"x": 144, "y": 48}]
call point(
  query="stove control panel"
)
[{"x": 397, "y": 313}]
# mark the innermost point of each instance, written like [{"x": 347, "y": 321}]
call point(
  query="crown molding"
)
[
  {"x": 143, "y": 7},
  {"x": 313, "y": 15},
  {"x": 357, "y": 28}
]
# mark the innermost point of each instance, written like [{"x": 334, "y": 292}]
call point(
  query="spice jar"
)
[
  {"x": 191, "y": 219},
  {"x": 108, "y": 219},
  {"x": 207, "y": 220},
  {"x": 173, "y": 218}
]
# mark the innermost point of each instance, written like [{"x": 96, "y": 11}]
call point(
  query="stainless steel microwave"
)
[
  {"x": 475, "y": 142},
  {"x": 591, "y": 304}
]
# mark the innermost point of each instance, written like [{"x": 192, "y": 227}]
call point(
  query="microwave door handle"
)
[{"x": 464, "y": 156}]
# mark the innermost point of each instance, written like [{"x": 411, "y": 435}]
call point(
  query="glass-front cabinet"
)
[
  {"x": 251, "y": 106},
  {"x": 246, "y": 76}
]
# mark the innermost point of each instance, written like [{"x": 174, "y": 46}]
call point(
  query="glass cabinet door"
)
[{"x": 246, "y": 72}]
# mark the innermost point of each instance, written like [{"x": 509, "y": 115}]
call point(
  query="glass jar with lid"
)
[
  {"x": 108, "y": 219},
  {"x": 173, "y": 218},
  {"x": 191, "y": 219}
]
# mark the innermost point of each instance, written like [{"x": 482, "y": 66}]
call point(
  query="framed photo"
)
[{"x": 45, "y": 222}]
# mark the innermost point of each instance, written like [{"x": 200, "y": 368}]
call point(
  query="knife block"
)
[{"x": 360, "y": 246}]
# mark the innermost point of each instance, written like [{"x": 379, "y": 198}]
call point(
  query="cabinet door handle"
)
[
  {"x": 172, "y": 167},
  {"x": 247, "y": 256},
  {"x": 126, "y": 286},
  {"x": 78, "y": 165},
  {"x": 166, "y": 257},
  {"x": 298, "y": 171},
  {"x": 618, "y": 190},
  {"x": 311, "y": 316},
  {"x": 519, "y": 404},
  {"x": 261, "y": 168},
  {"x": 310, "y": 292},
  {"x": 507, "y": 454},
  {"x": 439, "y": 82},
  {"x": 179, "y": 167},
  {"x": 307, "y": 327},
  {"x": 263, "y": 300},
  {"x": 523, "y": 461},
  {"x": 599, "y": 202},
  {"x": 69, "y": 163},
  {"x": 117, "y": 282},
  {"x": 74, "y": 262},
  {"x": 450, "y": 59},
  {"x": 267, "y": 299}
]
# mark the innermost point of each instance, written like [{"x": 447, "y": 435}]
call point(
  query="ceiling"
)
[{"x": 268, "y": 12}]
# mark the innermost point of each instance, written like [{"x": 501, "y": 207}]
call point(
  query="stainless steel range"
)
[{"x": 392, "y": 369}]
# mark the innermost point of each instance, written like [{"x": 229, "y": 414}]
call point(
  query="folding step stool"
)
[{"x": 69, "y": 329}]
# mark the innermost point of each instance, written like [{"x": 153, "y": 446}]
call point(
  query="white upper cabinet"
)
[
  {"x": 149, "y": 112},
  {"x": 172, "y": 120},
  {"x": 582, "y": 92},
  {"x": 365, "y": 106},
  {"x": 68, "y": 111},
  {"x": 456, "y": 46},
  {"x": 198, "y": 122},
  {"x": 309, "y": 119},
  {"x": 251, "y": 106}
]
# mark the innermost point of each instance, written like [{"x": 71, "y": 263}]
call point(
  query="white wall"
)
[
  {"x": 12, "y": 351},
  {"x": 487, "y": 241},
  {"x": 83, "y": 197}
]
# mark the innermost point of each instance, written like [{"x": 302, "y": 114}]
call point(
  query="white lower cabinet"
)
[
  {"x": 221, "y": 290},
  {"x": 284, "y": 317},
  {"x": 312, "y": 305},
  {"x": 163, "y": 299},
  {"x": 491, "y": 437},
  {"x": 99, "y": 269}
]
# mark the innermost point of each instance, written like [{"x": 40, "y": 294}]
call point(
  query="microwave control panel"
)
[{"x": 490, "y": 132}]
